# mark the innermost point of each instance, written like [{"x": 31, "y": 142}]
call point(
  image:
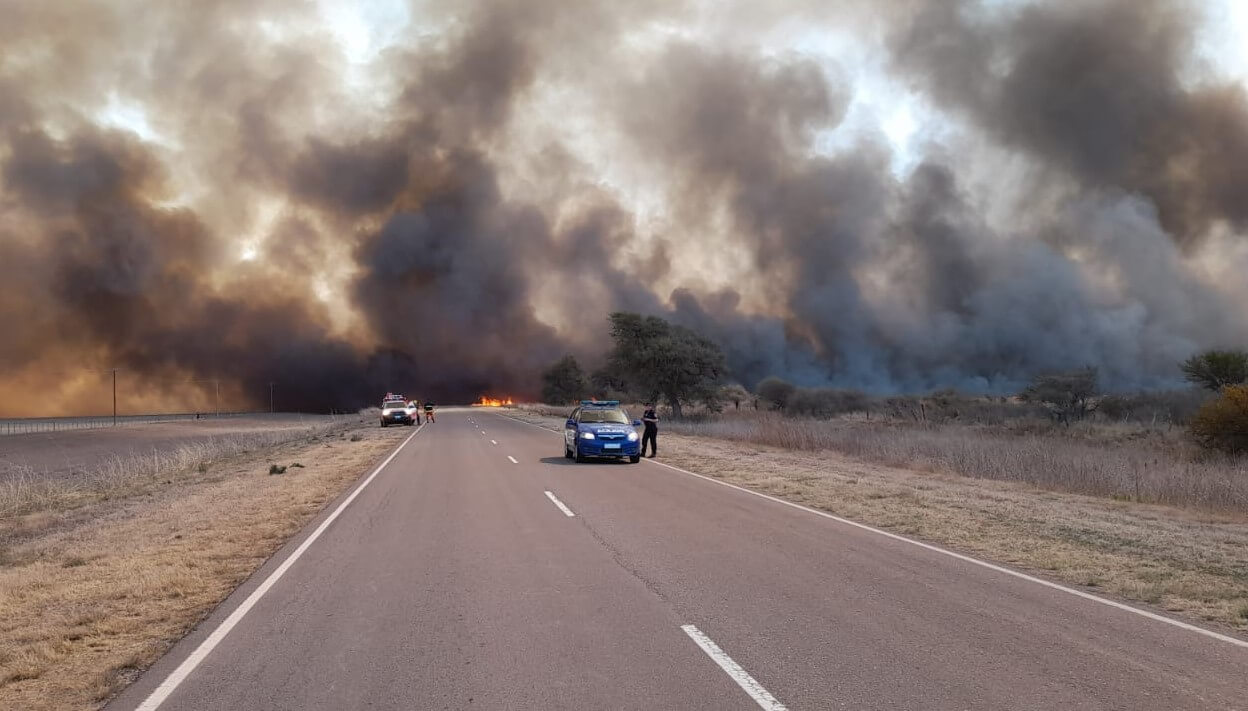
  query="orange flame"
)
[{"x": 493, "y": 402}]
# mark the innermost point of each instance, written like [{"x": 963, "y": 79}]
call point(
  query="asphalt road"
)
[{"x": 453, "y": 580}]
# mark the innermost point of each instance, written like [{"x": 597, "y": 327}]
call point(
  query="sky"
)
[{"x": 445, "y": 197}]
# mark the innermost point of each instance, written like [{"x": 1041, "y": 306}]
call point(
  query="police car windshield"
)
[
  {"x": 393, "y": 405},
  {"x": 612, "y": 416}
]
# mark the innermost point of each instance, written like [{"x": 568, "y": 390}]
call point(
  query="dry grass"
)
[
  {"x": 1103, "y": 466},
  {"x": 1185, "y": 561},
  {"x": 118, "y": 477},
  {"x": 96, "y": 583}
]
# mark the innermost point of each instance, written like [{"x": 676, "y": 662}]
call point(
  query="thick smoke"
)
[
  {"x": 1097, "y": 91},
  {"x": 217, "y": 195}
]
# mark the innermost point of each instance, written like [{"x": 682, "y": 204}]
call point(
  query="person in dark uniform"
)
[{"x": 651, "y": 420}]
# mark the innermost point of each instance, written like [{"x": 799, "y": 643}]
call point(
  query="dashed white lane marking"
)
[
  {"x": 513, "y": 459},
  {"x": 493, "y": 441},
  {"x": 747, "y": 683},
  {"x": 170, "y": 684},
  {"x": 560, "y": 504},
  {"x": 958, "y": 556}
]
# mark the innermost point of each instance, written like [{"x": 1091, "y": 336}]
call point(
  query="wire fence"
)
[{"x": 65, "y": 424}]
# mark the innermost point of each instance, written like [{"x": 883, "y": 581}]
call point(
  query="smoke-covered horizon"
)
[{"x": 240, "y": 193}]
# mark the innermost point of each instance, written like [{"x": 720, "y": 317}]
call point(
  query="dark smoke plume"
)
[{"x": 220, "y": 195}]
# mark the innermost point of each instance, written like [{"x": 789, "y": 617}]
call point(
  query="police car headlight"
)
[
  {"x": 632, "y": 436},
  {"x": 587, "y": 435}
]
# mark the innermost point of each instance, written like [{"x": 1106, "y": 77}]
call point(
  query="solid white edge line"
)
[
  {"x": 747, "y": 683},
  {"x": 965, "y": 558},
  {"x": 513, "y": 459},
  {"x": 555, "y": 500},
  {"x": 175, "y": 678}
]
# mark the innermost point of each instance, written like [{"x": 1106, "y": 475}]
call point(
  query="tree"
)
[
  {"x": 606, "y": 385},
  {"x": 1222, "y": 423},
  {"x": 563, "y": 382},
  {"x": 1068, "y": 395},
  {"x": 735, "y": 394},
  {"x": 776, "y": 391},
  {"x": 1216, "y": 369},
  {"x": 654, "y": 358}
]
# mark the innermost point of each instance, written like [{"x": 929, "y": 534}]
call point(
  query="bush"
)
[
  {"x": 776, "y": 392},
  {"x": 1069, "y": 395},
  {"x": 735, "y": 394},
  {"x": 1222, "y": 423}
]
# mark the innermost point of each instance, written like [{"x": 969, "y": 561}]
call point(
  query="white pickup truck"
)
[{"x": 397, "y": 411}]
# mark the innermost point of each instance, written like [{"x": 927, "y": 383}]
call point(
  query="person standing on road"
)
[
  {"x": 429, "y": 413},
  {"x": 651, "y": 420},
  {"x": 416, "y": 407}
]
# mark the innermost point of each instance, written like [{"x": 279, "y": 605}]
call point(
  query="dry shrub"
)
[{"x": 1222, "y": 423}]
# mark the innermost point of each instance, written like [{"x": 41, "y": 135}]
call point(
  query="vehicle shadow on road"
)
[{"x": 571, "y": 462}]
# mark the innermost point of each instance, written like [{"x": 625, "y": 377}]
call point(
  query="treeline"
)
[{"x": 654, "y": 360}]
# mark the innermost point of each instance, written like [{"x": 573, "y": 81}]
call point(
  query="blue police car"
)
[{"x": 601, "y": 428}]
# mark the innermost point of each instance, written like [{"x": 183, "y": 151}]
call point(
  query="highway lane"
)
[
  {"x": 458, "y": 579},
  {"x": 451, "y": 582}
]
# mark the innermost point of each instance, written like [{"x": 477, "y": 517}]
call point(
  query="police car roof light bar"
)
[{"x": 600, "y": 403}]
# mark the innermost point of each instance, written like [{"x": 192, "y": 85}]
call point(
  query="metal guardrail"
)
[{"x": 65, "y": 424}]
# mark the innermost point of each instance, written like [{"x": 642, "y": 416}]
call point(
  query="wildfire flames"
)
[{"x": 493, "y": 402}]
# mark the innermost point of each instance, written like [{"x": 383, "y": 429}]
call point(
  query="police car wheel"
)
[
  {"x": 634, "y": 459},
  {"x": 567, "y": 453},
  {"x": 579, "y": 457}
]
